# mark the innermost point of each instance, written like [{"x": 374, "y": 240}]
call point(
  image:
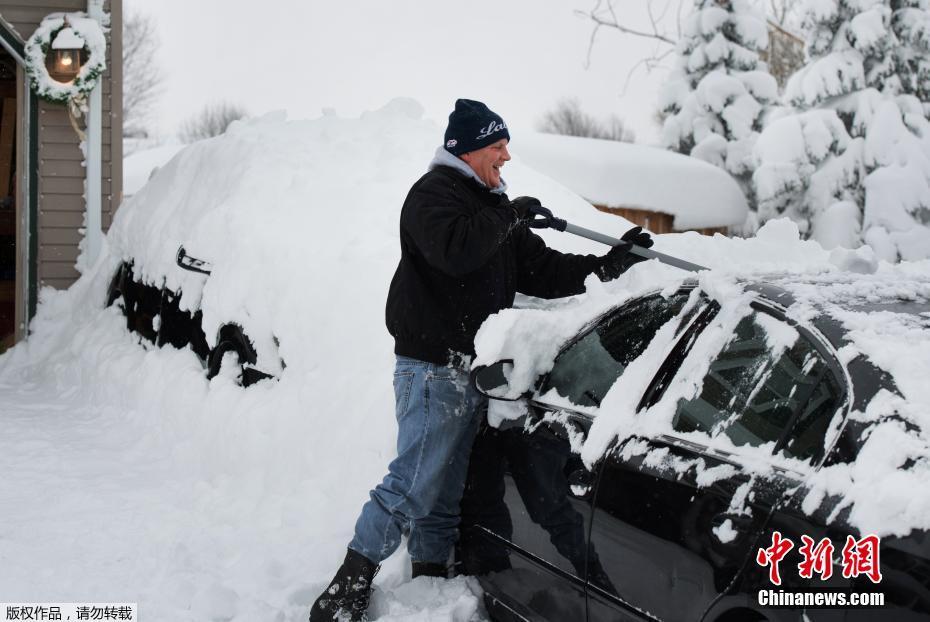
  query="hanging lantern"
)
[{"x": 66, "y": 55}]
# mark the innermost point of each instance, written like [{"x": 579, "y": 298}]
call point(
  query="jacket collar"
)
[{"x": 444, "y": 158}]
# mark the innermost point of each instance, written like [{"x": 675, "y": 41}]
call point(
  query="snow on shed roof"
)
[{"x": 617, "y": 174}]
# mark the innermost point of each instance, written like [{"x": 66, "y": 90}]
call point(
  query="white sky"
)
[{"x": 518, "y": 56}]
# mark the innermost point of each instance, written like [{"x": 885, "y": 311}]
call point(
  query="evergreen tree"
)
[
  {"x": 850, "y": 163},
  {"x": 910, "y": 21},
  {"x": 714, "y": 101}
]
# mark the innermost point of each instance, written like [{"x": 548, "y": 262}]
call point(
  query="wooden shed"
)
[
  {"x": 657, "y": 222},
  {"x": 42, "y": 172}
]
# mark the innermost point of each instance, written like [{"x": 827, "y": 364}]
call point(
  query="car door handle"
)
[{"x": 580, "y": 482}]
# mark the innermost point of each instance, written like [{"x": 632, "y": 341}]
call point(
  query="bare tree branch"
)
[
  {"x": 612, "y": 23},
  {"x": 665, "y": 10},
  {"x": 211, "y": 121},
  {"x": 141, "y": 76},
  {"x": 603, "y": 14},
  {"x": 568, "y": 119},
  {"x": 650, "y": 62}
]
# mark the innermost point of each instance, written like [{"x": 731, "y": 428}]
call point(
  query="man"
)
[{"x": 465, "y": 251}]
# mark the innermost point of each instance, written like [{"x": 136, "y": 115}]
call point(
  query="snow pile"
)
[
  {"x": 851, "y": 162},
  {"x": 617, "y": 174},
  {"x": 834, "y": 283},
  {"x": 715, "y": 98}
]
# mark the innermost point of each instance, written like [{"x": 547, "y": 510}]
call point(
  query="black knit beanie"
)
[{"x": 472, "y": 126}]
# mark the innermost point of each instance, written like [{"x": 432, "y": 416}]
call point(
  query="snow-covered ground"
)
[{"x": 129, "y": 477}]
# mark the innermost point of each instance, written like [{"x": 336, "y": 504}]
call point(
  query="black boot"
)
[
  {"x": 348, "y": 593},
  {"x": 428, "y": 569}
]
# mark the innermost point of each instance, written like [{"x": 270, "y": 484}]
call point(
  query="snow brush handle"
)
[{"x": 648, "y": 253}]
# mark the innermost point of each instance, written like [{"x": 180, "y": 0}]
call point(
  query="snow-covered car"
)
[
  {"x": 154, "y": 313},
  {"x": 658, "y": 464}
]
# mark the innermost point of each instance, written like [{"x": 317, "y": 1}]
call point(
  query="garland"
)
[{"x": 73, "y": 93}]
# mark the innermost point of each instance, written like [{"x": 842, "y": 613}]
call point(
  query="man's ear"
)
[{"x": 466, "y": 157}]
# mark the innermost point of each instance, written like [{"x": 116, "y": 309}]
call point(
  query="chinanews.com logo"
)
[{"x": 858, "y": 558}]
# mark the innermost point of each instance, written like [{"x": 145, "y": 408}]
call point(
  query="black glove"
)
[
  {"x": 619, "y": 259},
  {"x": 522, "y": 207},
  {"x": 530, "y": 212}
]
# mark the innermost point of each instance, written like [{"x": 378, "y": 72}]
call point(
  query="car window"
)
[
  {"x": 586, "y": 370},
  {"x": 757, "y": 393}
]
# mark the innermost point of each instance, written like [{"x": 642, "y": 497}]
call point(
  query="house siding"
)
[{"x": 61, "y": 172}]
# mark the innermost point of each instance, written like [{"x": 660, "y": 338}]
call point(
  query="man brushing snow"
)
[{"x": 465, "y": 252}]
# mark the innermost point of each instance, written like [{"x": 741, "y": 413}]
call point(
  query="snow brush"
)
[{"x": 544, "y": 219}]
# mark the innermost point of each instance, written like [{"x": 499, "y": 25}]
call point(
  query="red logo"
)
[
  {"x": 860, "y": 557},
  {"x": 774, "y": 554},
  {"x": 817, "y": 559}
]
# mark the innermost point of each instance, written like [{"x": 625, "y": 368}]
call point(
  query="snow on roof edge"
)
[{"x": 617, "y": 174}]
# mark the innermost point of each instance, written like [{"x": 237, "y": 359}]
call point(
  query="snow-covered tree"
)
[
  {"x": 851, "y": 162},
  {"x": 910, "y": 21},
  {"x": 715, "y": 98}
]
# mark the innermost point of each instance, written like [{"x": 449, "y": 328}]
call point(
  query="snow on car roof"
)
[{"x": 617, "y": 174}]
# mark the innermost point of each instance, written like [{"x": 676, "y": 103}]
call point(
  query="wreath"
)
[{"x": 73, "y": 93}]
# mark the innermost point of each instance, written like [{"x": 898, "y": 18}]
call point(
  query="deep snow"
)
[{"x": 129, "y": 477}]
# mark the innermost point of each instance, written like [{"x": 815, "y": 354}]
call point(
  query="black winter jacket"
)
[{"x": 463, "y": 257}]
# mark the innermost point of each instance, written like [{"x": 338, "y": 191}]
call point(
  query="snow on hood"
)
[{"x": 616, "y": 174}]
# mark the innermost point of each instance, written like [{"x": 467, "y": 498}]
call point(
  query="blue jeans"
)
[{"x": 437, "y": 417}]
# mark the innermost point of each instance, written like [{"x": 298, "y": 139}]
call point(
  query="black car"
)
[
  {"x": 154, "y": 313},
  {"x": 668, "y": 527}
]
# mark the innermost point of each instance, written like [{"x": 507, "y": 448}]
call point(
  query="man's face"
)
[{"x": 487, "y": 162}]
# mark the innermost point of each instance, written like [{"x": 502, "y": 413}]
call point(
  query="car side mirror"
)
[{"x": 494, "y": 380}]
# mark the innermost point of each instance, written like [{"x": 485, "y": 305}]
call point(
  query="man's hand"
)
[
  {"x": 619, "y": 259},
  {"x": 523, "y": 207},
  {"x": 532, "y": 213}
]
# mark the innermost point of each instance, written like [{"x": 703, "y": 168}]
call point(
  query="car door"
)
[
  {"x": 525, "y": 515},
  {"x": 671, "y": 541},
  {"x": 677, "y": 518},
  {"x": 527, "y": 507}
]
